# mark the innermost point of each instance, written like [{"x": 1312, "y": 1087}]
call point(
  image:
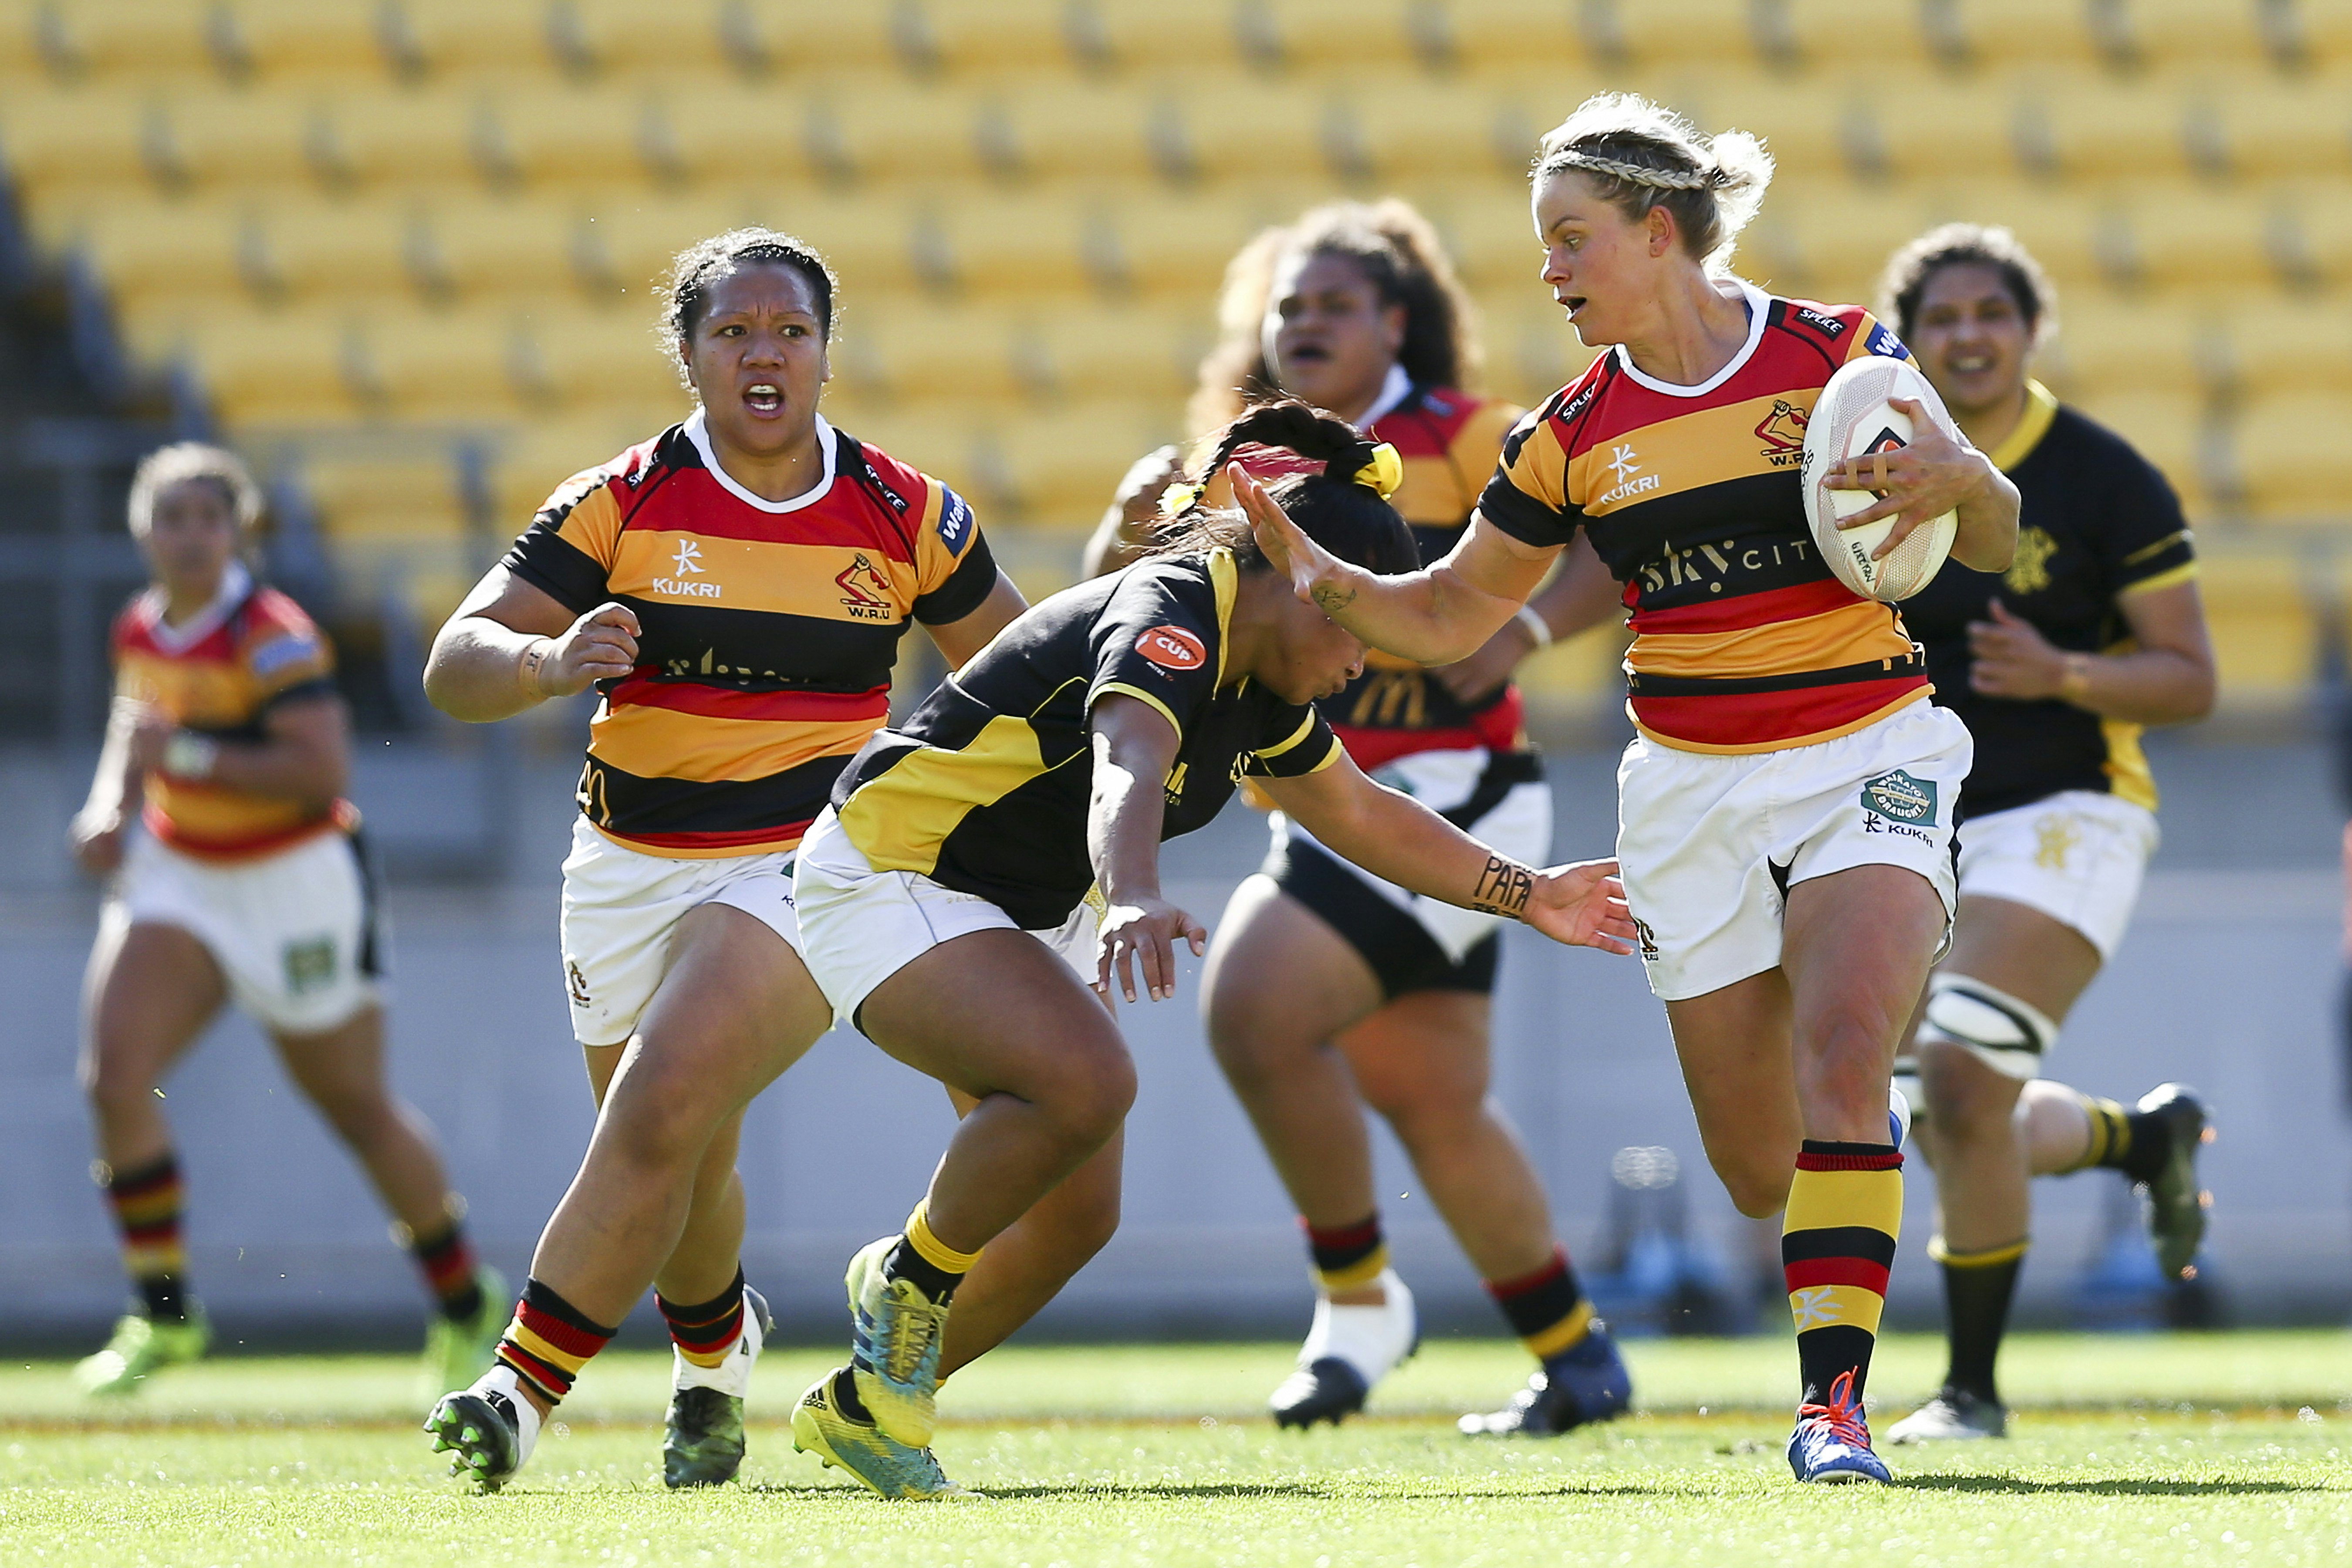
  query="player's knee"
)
[
  {"x": 1965, "y": 1099},
  {"x": 1424, "y": 1113},
  {"x": 1758, "y": 1189},
  {"x": 1087, "y": 1216},
  {"x": 655, "y": 1120},
  {"x": 1092, "y": 1087}
]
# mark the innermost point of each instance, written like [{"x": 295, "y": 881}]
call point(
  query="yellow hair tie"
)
[
  {"x": 1179, "y": 496},
  {"x": 1383, "y": 473}
]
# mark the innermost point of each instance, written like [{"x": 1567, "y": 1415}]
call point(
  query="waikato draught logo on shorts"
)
[
  {"x": 1900, "y": 797},
  {"x": 1172, "y": 648}
]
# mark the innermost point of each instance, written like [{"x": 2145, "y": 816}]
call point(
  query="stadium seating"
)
[{"x": 366, "y": 229}]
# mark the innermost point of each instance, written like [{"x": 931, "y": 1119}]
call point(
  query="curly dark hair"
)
[
  {"x": 686, "y": 295},
  {"x": 1904, "y": 281},
  {"x": 1351, "y": 520}
]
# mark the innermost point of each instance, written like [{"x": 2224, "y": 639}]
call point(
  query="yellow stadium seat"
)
[
  {"x": 1030, "y": 37},
  {"x": 2104, "y": 344},
  {"x": 2269, "y": 126},
  {"x": 455, "y": 37},
  {"x": 2296, "y": 342},
  {"x": 1245, "y": 128},
  {"x": 229, "y": 140},
  {"x": 2321, "y": 32},
  {"x": 1074, "y": 351},
  {"x": 2311, "y": 234},
  {"x": 2082, "y": 238},
  {"x": 1830, "y": 34},
  {"x": 74, "y": 141},
  {"x": 146, "y": 250},
  {"x": 1813, "y": 128},
  {"x": 1531, "y": 349},
  {"x": 883, "y": 128},
  {"x": 1051, "y": 128},
  {"x": 2084, "y": 127},
  {"x": 1062, "y": 468},
  {"x": 2294, "y": 453},
  {"x": 456, "y": 367},
  {"x": 1045, "y": 244},
  {"x": 483, "y": 248},
  {"x": 286, "y": 38},
  {"x": 2007, "y": 32},
  {"x": 1152, "y": 35},
  {"x": 632, "y": 38},
  {"x": 811, "y": 36},
  {"x": 2199, "y": 33},
  {"x": 1442, "y": 127},
  {"x": 751, "y": 132},
  {"x": 397, "y": 138},
  {"x": 559, "y": 134},
  {"x": 137, "y": 38},
  {"x": 267, "y": 367},
  {"x": 1938, "y": 125},
  {"x": 1656, "y": 32},
  {"x": 2184, "y": 236},
  {"x": 531, "y": 461},
  {"x": 1176, "y": 247},
  {"x": 2257, "y": 595},
  {"x": 909, "y": 350},
  {"x": 1334, "y": 34},
  {"x": 1492, "y": 237},
  {"x": 1827, "y": 240},
  {"x": 2168, "y": 428},
  {"x": 573, "y": 359},
  {"x": 379, "y": 499},
  {"x": 357, "y": 252},
  {"x": 1533, "y": 36},
  {"x": 866, "y": 242}
]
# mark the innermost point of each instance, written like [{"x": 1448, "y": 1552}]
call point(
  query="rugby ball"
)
[{"x": 1854, "y": 417}]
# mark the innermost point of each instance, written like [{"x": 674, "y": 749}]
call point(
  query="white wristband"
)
[
  {"x": 1537, "y": 627},
  {"x": 188, "y": 755}
]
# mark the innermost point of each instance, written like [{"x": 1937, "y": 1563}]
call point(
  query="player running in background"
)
[
  {"x": 2095, "y": 630},
  {"x": 736, "y": 589},
  {"x": 990, "y": 860},
  {"x": 1785, "y": 812},
  {"x": 1327, "y": 990},
  {"x": 217, "y": 807}
]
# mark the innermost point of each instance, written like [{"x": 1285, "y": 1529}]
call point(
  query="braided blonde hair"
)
[{"x": 1639, "y": 155}]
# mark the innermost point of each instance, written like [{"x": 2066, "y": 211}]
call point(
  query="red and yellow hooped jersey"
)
[
  {"x": 1744, "y": 639},
  {"x": 769, "y": 630},
  {"x": 221, "y": 676}
]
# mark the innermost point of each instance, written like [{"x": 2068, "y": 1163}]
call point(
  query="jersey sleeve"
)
[
  {"x": 2147, "y": 544},
  {"x": 1157, "y": 641},
  {"x": 954, "y": 570},
  {"x": 1527, "y": 497},
  {"x": 286, "y": 655},
  {"x": 567, "y": 551},
  {"x": 1296, "y": 743},
  {"x": 1872, "y": 336}
]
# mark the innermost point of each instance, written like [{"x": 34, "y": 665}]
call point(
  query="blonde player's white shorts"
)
[
  {"x": 1709, "y": 844},
  {"x": 620, "y": 906},
  {"x": 860, "y": 926},
  {"x": 2078, "y": 856},
  {"x": 294, "y": 932}
]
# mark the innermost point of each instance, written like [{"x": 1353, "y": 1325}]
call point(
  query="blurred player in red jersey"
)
[
  {"x": 1329, "y": 990},
  {"x": 1785, "y": 811},
  {"x": 218, "y": 809}
]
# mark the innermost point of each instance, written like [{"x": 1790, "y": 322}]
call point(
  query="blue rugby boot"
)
[
  {"x": 1586, "y": 1383},
  {"x": 1831, "y": 1442},
  {"x": 896, "y": 1331}
]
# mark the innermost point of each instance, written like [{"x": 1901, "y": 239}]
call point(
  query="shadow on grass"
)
[{"x": 2023, "y": 1487}]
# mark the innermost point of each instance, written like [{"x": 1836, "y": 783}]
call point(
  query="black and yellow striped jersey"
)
[
  {"x": 768, "y": 629},
  {"x": 985, "y": 787},
  {"x": 2096, "y": 522}
]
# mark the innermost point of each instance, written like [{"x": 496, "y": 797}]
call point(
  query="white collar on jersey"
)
[
  {"x": 1760, "y": 304},
  {"x": 698, "y": 430},
  {"x": 236, "y": 583},
  {"x": 1393, "y": 391}
]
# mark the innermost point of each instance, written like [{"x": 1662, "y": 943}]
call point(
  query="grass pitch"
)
[{"x": 2145, "y": 1449}]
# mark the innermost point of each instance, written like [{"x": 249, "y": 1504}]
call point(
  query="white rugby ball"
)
[{"x": 1854, "y": 417}]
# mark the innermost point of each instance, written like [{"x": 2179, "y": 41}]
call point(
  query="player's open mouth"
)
[
  {"x": 763, "y": 397},
  {"x": 1307, "y": 353},
  {"x": 1969, "y": 364},
  {"x": 1572, "y": 304}
]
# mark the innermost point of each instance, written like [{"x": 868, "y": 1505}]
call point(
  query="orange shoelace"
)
[{"x": 1841, "y": 1415}]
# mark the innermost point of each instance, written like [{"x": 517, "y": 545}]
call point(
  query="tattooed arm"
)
[{"x": 1400, "y": 840}]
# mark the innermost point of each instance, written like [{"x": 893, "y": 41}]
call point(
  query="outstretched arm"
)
[
  {"x": 1435, "y": 616},
  {"x": 1400, "y": 840},
  {"x": 1134, "y": 746},
  {"x": 1580, "y": 595}
]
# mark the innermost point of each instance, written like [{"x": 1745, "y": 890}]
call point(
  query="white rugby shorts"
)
[
  {"x": 1709, "y": 843},
  {"x": 860, "y": 926},
  {"x": 620, "y": 906},
  {"x": 2078, "y": 856},
  {"x": 294, "y": 931},
  {"x": 1517, "y": 826}
]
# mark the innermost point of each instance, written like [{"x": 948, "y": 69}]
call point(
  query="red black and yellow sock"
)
[
  {"x": 1347, "y": 1256},
  {"x": 1547, "y": 1308},
  {"x": 451, "y": 1271},
  {"x": 147, "y": 1204},
  {"x": 1845, "y": 1210},
  {"x": 2135, "y": 1142},
  {"x": 929, "y": 1262},
  {"x": 1978, "y": 1287},
  {"x": 549, "y": 1341},
  {"x": 706, "y": 1331}
]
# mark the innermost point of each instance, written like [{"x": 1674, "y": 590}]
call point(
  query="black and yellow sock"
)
[
  {"x": 1547, "y": 1308},
  {"x": 921, "y": 1256},
  {"x": 1978, "y": 1287},
  {"x": 1846, "y": 1211},
  {"x": 2136, "y": 1142},
  {"x": 1347, "y": 1256},
  {"x": 451, "y": 1271}
]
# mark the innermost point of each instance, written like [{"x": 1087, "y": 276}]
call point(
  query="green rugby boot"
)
[
  {"x": 822, "y": 1426},
  {"x": 458, "y": 1351},
  {"x": 140, "y": 1348}
]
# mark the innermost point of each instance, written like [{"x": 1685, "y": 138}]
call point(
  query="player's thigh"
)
[
  {"x": 735, "y": 1008},
  {"x": 2035, "y": 957},
  {"x": 1280, "y": 981},
  {"x": 1733, "y": 1045},
  {"x": 1425, "y": 1057},
  {"x": 150, "y": 991},
  {"x": 997, "y": 1011},
  {"x": 341, "y": 1070}
]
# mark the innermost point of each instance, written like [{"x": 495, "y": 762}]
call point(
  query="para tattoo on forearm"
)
[
  {"x": 1333, "y": 596},
  {"x": 1503, "y": 888}
]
